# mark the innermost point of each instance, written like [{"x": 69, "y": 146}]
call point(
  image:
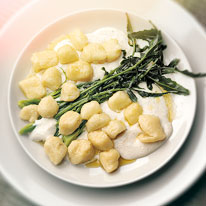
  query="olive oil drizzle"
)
[{"x": 96, "y": 163}]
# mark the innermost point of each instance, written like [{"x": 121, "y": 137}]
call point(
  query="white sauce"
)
[
  {"x": 127, "y": 144},
  {"x": 44, "y": 128},
  {"x": 130, "y": 147}
]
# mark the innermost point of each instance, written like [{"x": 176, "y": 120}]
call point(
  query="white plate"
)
[
  {"x": 159, "y": 188},
  {"x": 96, "y": 177}
]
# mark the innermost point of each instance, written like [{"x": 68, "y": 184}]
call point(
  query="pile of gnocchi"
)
[{"x": 76, "y": 59}]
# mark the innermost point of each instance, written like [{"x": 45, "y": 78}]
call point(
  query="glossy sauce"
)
[
  {"x": 123, "y": 162},
  {"x": 96, "y": 163},
  {"x": 169, "y": 104},
  {"x": 40, "y": 142},
  {"x": 93, "y": 164}
]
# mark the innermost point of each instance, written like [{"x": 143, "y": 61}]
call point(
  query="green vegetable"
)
[
  {"x": 26, "y": 102},
  {"x": 171, "y": 86},
  {"x": 150, "y": 94},
  {"x": 144, "y": 35},
  {"x": 191, "y": 74},
  {"x": 132, "y": 96},
  {"x": 26, "y": 129},
  {"x": 131, "y": 41}
]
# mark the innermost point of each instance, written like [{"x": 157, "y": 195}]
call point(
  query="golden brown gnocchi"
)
[
  {"x": 48, "y": 107},
  {"x": 32, "y": 87},
  {"x": 113, "y": 49},
  {"x": 94, "y": 53},
  {"x": 114, "y": 128},
  {"x": 100, "y": 140},
  {"x": 55, "y": 149},
  {"x": 132, "y": 113},
  {"x": 78, "y": 39},
  {"x": 109, "y": 160},
  {"x": 67, "y": 54},
  {"x": 89, "y": 109},
  {"x": 69, "y": 92},
  {"x": 69, "y": 122},
  {"x": 29, "y": 113},
  {"x": 119, "y": 101},
  {"x": 52, "y": 78},
  {"x": 97, "y": 121},
  {"x": 151, "y": 127},
  {"x": 79, "y": 71},
  {"x": 80, "y": 151},
  {"x": 43, "y": 60}
]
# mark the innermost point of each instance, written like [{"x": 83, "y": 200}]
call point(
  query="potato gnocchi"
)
[
  {"x": 32, "y": 88},
  {"x": 79, "y": 71},
  {"x": 69, "y": 122},
  {"x": 67, "y": 54},
  {"x": 52, "y": 78},
  {"x": 94, "y": 53},
  {"x": 100, "y": 140},
  {"x": 80, "y": 151},
  {"x": 55, "y": 149},
  {"x": 69, "y": 92},
  {"x": 43, "y": 60},
  {"x": 29, "y": 113},
  {"x": 89, "y": 109},
  {"x": 47, "y": 107},
  {"x": 119, "y": 101}
]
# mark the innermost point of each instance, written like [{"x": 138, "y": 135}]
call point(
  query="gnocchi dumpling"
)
[
  {"x": 55, "y": 149},
  {"x": 132, "y": 113},
  {"x": 79, "y": 71},
  {"x": 69, "y": 122},
  {"x": 32, "y": 87},
  {"x": 109, "y": 160},
  {"x": 89, "y": 109},
  {"x": 29, "y": 113},
  {"x": 48, "y": 107},
  {"x": 78, "y": 39},
  {"x": 100, "y": 140},
  {"x": 80, "y": 151},
  {"x": 57, "y": 40},
  {"x": 94, "y": 53},
  {"x": 67, "y": 54},
  {"x": 114, "y": 128},
  {"x": 43, "y": 60},
  {"x": 52, "y": 78},
  {"x": 97, "y": 121},
  {"x": 119, "y": 101},
  {"x": 69, "y": 92},
  {"x": 151, "y": 127},
  {"x": 113, "y": 49}
]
